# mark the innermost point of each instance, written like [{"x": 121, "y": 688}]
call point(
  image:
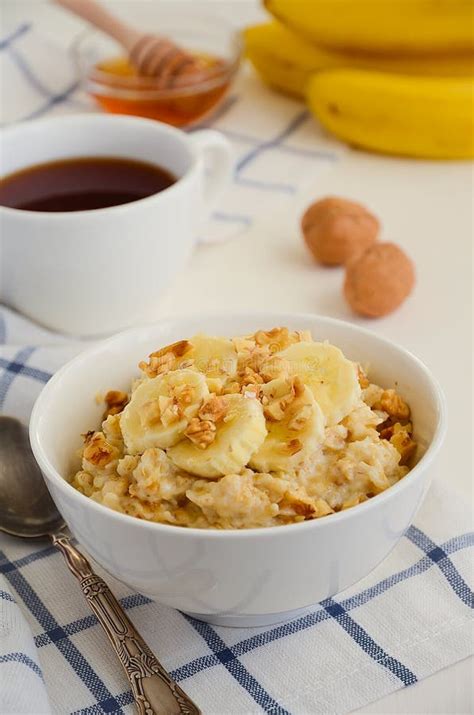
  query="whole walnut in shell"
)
[
  {"x": 335, "y": 230},
  {"x": 379, "y": 280}
]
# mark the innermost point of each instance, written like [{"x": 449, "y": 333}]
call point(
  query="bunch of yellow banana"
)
[
  {"x": 394, "y": 76},
  {"x": 287, "y": 61},
  {"x": 403, "y": 27}
]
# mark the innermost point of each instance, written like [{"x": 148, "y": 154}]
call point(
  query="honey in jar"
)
[{"x": 116, "y": 85}]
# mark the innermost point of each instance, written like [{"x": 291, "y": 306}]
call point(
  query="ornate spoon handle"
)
[{"x": 154, "y": 691}]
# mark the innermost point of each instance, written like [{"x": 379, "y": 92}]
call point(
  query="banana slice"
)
[
  {"x": 295, "y": 426},
  {"x": 214, "y": 357},
  {"x": 331, "y": 377},
  {"x": 216, "y": 448},
  {"x": 161, "y": 409}
]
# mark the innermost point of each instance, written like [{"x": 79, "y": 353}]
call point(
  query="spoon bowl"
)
[{"x": 26, "y": 507}]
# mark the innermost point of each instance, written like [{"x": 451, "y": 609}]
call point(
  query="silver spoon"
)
[{"x": 27, "y": 510}]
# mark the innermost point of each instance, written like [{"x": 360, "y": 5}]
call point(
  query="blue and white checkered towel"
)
[{"x": 405, "y": 621}]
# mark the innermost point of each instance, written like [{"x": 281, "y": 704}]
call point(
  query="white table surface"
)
[{"x": 426, "y": 207}]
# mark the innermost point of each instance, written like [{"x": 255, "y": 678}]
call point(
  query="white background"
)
[{"x": 426, "y": 207}]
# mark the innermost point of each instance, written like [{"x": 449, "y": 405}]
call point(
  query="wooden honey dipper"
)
[{"x": 152, "y": 55}]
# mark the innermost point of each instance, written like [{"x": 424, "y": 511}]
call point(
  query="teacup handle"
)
[{"x": 218, "y": 148}]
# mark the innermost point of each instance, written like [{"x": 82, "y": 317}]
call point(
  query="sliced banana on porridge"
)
[
  {"x": 222, "y": 438},
  {"x": 331, "y": 377},
  {"x": 295, "y": 425},
  {"x": 214, "y": 357},
  {"x": 248, "y": 431},
  {"x": 161, "y": 409}
]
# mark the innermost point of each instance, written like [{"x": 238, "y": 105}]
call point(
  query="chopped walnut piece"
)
[
  {"x": 293, "y": 446},
  {"x": 97, "y": 450},
  {"x": 201, "y": 432},
  {"x": 298, "y": 386},
  {"x": 335, "y": 437},
  {"x": 214, "y": 409},
  {"x": 388, "y": 428},
  {"x": 299, "y": 420},
  {"x": 280, "y": 338},
  {"x": 391, "y": 403},
  {"x": 177, "y": 349},
  {"x": 115, "y": 401},
  {"x": 250, "y": 377},
  {"x": 170, "y": 414},
  {"x": 305, "y": 509},
  {"x": 214, "y": 366},
  {"x": 164, "y": 359},
  {"x": 308, "y": 508},
  {"x": 274, "y": 411},
  {"x": 363, "y": 379},
  {"x": 278, "y": 395},
  {"x": 304, "y": 505},
  {"x": 273, "y": 368},
  {"x": 276, "y": 339},
  {"x": 150, "y": 413},
  {"x": 184, "y": 396},
  {"x": 386, "y": 432},
  {"x": 164, "y": 402},
  {"x": 157, "y": 365},
  {"x": 252, "y": 360},
  {"x": 243, "y": 344}
]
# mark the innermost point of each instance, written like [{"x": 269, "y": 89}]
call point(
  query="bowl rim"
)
[{"x": 53, "y": 476}]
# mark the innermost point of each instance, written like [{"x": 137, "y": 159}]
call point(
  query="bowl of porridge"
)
[{"x": 240, "y": 468}]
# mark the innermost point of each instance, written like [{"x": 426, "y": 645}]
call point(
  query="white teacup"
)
[{"x": 95, "y": 272}]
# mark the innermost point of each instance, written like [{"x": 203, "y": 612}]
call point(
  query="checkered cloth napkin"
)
[{"x": 405, "y": 621}]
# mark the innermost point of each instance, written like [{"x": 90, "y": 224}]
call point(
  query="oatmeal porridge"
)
[{"x": 230, "y": 433}]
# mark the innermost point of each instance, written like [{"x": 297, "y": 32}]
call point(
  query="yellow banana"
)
[
  {"x": 295, "y": 425},
  {"x": 161, "y": 409},
  {"x": 284, "y": 76},
  {"x": 396, "y": 114},
  {"x": 331, "y": 377},
  {"x": 399, "y": 27},
  {"x": 286, "y": 61},
  {"x": 236, "y": 438}
]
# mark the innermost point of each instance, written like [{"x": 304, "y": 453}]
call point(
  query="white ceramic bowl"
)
[{"x": 248, "y": 577}]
